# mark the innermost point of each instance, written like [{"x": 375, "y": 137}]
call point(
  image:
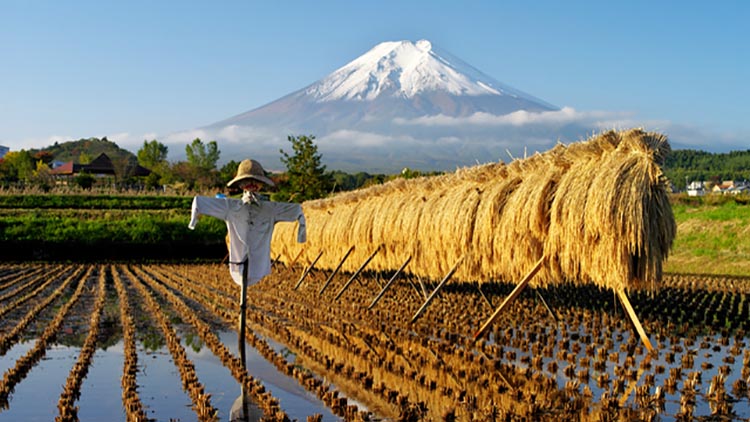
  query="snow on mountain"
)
[
  {"x": 399, "y": 69},
  {"x": 401, "y": 104}
]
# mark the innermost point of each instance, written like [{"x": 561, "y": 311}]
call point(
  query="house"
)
[
  {"x": 738, "y": 190},
  {"x": 696, "y": 188},
  {"x": 3, "y": 150},
  {"x": 724, "y": 186},
  {"x": 101, "y": 167},
  {"x": 740, "y": 187}
]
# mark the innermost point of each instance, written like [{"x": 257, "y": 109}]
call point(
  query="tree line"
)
[
  {"x": 305, "y": 177},
  {"x": 687, "y": 165}
]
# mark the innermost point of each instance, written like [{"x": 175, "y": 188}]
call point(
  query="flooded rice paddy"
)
[{"x": 159, "y": 342}]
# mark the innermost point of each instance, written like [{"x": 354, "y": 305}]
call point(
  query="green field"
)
[{"x": 711, "y": 239}]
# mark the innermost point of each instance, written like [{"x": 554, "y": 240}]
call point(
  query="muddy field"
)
[{"x": 142, "y": 342}]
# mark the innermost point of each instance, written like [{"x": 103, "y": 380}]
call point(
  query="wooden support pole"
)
[
  {"x": 437, "y": 289},
  {"x": 356, "y": 274},
  {"x": 414, "y": 286},
  {"x": 634, "y": 318},
  {"x": 325, "y": 285},
  {"x": 276, "y": 261},
  {"x": 307, "y": 271},
  {"x": 294, "y": 261},
  {"x": 514, "y": 294},
  {"x": 424, "y": 289},
  {"x": 486, "y": 299},
  {"x": 377, "y": 281},
  {"x": 388, "y": 284},
  {"x": 544, "y": 302}
]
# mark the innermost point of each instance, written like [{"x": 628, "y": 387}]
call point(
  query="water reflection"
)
[
  {"x": 297, "y": 402},
  {"x": 244, "y": 410}
]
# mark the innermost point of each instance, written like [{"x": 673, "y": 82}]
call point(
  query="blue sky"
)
[{"x": 140, "y": 70}]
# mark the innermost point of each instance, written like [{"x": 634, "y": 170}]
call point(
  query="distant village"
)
[{"x": 726, "y": 187}]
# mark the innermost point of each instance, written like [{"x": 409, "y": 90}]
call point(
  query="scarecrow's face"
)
[{"x": 251, "y": 185}]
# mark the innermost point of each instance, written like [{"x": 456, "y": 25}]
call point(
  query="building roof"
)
[{"x": 100, "y": 165}]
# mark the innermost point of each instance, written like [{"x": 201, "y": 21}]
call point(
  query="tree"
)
[
  {"x": 18, "y": 166},
  {"x": 201, "y": 160},
  {"x": 307, "y": 177},
  {"x": 84, "y": 158},
  {"x": 152, "y": 154},
  {"x": 84, "y": 180},
  {"x": 203, "y": 156}
]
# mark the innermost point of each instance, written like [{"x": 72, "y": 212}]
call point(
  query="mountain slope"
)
[
  {"x": 401, "y": 104},
  {"x": 392, "y": 80}
]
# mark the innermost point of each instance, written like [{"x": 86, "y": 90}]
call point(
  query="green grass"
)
[{"x": 711, "y": 239}]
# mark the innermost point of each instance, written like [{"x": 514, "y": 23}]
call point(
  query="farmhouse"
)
[
  {"x": 101, "y": 168},
  {"x": 696, "y": 188}
]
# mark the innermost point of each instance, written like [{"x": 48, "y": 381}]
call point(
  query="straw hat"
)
[{"x": 250, "y": 169}]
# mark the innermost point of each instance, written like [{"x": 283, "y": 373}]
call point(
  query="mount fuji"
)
[{"x": 401, "y": 104}]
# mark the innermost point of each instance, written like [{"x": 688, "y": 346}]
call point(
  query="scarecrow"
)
[{"x": 250, "y": 223}]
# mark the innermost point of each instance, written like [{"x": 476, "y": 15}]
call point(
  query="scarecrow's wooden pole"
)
[
  {"x": 437, "y": 288},
  {"x": 356, "y": 274},
  {"x": 325, "y": 285},
  {"x": 514, "y": 294},
  {"x": 243, "y": 307},
  {"x": 307, "y": 271},
  {"x": 634, "y": 318},
  {"x": 388, "y": 284}
]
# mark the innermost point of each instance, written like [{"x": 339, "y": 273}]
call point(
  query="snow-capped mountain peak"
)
[
  {"x": 401, "y": 104},
  {"x": 404, "y": 69}
]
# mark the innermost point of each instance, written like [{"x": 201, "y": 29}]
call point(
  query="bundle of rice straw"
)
[{"x": 597, "y": 210}]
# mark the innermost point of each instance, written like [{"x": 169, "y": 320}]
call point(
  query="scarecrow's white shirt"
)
[{"x": 250, "y": 225}]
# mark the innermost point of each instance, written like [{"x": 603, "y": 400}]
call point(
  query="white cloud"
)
[
  {"x": 360, "y": 139},
  {"x": 566, "y": 115},
  {"x": 183, "y": 137}
]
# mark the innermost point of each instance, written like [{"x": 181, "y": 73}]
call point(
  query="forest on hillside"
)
[{"x": 687, "y": 165}]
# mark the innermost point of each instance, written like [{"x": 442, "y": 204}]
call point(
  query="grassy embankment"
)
[{"x": 713, "y": 237}]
